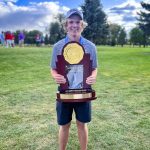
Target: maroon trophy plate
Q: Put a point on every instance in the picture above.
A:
(75, 65)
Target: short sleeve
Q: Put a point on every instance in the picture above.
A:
(94, 57)
(53, 58)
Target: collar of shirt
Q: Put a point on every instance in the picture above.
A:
(80, 40)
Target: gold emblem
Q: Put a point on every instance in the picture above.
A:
(73, 53)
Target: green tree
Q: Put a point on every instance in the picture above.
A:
(97, 29)
(54, 32)
(144, 22)
(114, 30)
(56, 29)
(61, 19)
(136, 36)
(30, 36)
(122, 37)
(16, 33)
(46, 39)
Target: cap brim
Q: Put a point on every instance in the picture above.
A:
(75, 13)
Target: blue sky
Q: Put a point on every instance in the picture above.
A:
(70, 3)
(37, 14)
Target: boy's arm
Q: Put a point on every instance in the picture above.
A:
(92, 78)
(59, 79)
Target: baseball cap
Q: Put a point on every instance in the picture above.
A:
(74, 12)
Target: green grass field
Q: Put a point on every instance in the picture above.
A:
(120, 115)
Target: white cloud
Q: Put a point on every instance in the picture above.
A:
(124, 14)
(34, 16)
(146, 1)
(128, 3)
(64, 8)
(39, 15)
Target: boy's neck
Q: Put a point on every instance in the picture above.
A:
(74, 38)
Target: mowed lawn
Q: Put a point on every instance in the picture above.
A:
(120, 115)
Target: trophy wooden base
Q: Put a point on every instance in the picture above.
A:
(76, 96)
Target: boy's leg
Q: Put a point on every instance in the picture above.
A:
(83, 116)
(63, 136)
(64, 117)
(82, 134)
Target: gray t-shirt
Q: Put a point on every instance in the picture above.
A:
(89, 47)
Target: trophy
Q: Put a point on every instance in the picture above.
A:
(75, 65)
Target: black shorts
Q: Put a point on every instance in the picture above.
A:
(65, 109)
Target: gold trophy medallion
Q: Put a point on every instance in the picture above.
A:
(73, 53)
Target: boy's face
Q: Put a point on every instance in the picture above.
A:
(74, 26)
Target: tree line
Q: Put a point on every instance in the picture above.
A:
(99, 30)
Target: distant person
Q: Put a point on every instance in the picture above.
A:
(2, 38)
(8, 38)
(21, 38)
(13, 40)
(42, 40)
(38, 40)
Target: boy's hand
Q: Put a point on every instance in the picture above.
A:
(59, 79)
(91, 80)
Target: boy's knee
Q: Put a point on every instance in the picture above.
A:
(65, 127)
(81, 125)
